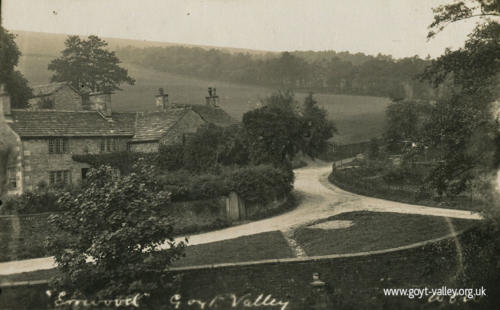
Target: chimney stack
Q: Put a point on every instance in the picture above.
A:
(212, 99)
(101, 102)
(5, 104)
(161, 101)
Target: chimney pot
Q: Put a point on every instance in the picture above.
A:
(161, 100)
(101, 102)
(212, 99)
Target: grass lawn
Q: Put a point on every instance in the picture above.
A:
(374, 231)
(268, 245)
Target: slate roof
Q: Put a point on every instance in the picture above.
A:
(140, 126)
(150, 126)
(212, 115)
(71, 124)
(48, 89)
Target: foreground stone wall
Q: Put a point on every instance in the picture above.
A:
(22, 237)
(355, 282)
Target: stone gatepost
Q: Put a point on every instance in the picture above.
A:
(319, 299)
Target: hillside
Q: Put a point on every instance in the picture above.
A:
(50, 44)
(358, 118)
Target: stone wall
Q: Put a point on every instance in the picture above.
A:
(350, 282)
(65, 99)
(144, 147)
(37, 162)
(188, 124)
(199, 215)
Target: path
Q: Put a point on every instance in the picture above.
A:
(319, 200)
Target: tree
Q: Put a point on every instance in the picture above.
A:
(7, 153)
(120, 224)
(234, 150)
(202, 150)
(15, 83)
(405, 122)
(462, 127)
(275, 132)
(460, 10)
(87, 63)
(319, 129)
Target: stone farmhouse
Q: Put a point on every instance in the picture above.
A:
(58, 96)
(63, 125)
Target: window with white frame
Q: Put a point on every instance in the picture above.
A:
(58, 146)
(109, 145)
(60, 177)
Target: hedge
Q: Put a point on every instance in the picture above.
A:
(31, 202)
(255, 184)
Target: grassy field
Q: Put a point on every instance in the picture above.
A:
(269, 245)
(358, 118)
(375, 231)
(371, 181)
(370, 231)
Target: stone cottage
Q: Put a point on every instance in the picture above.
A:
(58, 96)
(173, 122)
(48, 138)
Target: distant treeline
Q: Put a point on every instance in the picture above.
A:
(327, 71)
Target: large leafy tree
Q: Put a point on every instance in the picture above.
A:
(119, 223)
(87, 63)
(460, 10)
(462, 127)
(274, 132)
(15, 83)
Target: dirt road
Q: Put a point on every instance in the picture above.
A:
(319, 200)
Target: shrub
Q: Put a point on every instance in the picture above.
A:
(43, 200)
(171, 157)
(208, 186)
(120, 223)
(261, 183)
(253, 183)
(123, 160)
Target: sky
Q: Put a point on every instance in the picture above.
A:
(395, 27)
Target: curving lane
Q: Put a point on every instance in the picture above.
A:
(318, 200)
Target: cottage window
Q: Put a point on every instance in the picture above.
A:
(58, 146)
(60, 177)
(12, 178)
(47, 103)
(109, 145)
